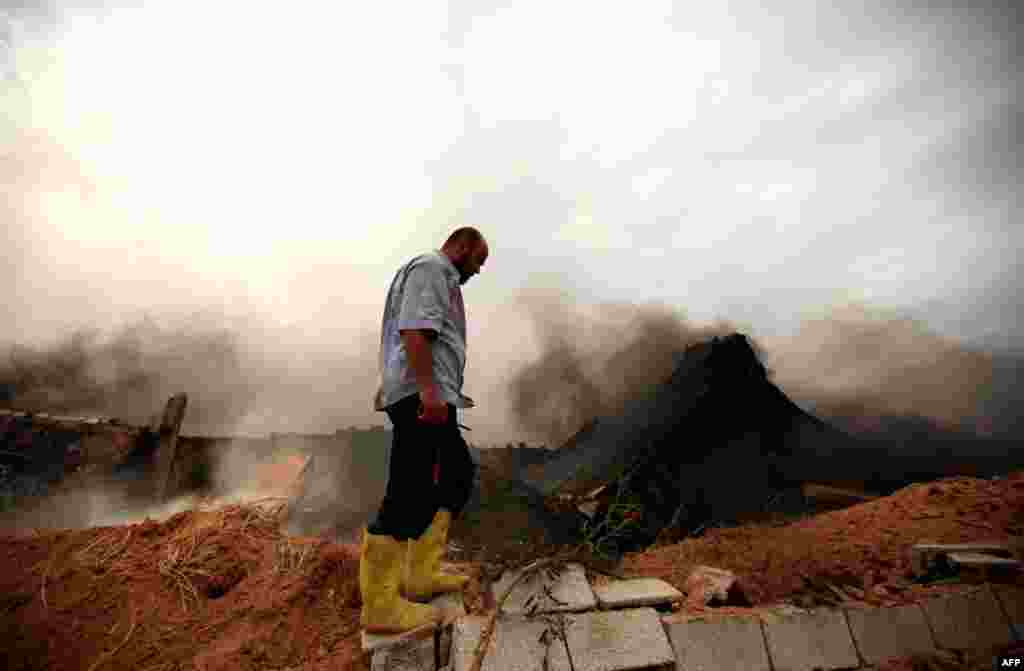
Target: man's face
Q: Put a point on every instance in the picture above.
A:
(470, 260)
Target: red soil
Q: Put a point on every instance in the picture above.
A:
(224, 589)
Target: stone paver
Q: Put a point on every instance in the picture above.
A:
(967, 621)
(1012, 599)
(722, 645)
(617, 640)
(451, 607)
(415, 655)
(890, 632)
(818, 640)
(376, 642)
(571, 588)
(514, 646)
(635, 593)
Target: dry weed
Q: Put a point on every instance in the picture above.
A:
(290, 555)
(185, 555)
(107, 547)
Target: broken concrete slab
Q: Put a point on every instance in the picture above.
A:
(617, 640)
(723, 645)
(968, 621)
(414, 655)
(979, 559)
(922, 554)
(514, 646)
(1011, 598)
(880, 633)
(635, 593)
(571, 592)
(818, 640)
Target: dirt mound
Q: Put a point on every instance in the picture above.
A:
(215, 589)
(212, 589)
(867, 545)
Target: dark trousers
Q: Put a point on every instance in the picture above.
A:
(412, 497)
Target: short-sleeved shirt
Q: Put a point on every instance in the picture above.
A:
(425, 294)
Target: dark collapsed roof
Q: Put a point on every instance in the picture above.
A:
(718, 391)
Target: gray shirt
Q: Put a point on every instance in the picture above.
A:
(425, 294)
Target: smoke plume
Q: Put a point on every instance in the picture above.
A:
(592, 359)
(238, 381)
(862, 361)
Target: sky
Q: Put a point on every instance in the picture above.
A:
(262, 171)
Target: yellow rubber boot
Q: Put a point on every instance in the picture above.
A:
(384, 611)
(422, 579)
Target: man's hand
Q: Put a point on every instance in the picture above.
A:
(433, 409)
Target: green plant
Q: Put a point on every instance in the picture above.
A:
(601, 538)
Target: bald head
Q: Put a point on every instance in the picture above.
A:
(467, 250)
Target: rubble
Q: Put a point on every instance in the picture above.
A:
(716, 444)
(708, 585)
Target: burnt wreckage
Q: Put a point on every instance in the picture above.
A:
(716, 440)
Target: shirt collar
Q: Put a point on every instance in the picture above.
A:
(449, 266)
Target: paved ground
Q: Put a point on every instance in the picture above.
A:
(613, 633)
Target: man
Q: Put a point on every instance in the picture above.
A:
(430, 471)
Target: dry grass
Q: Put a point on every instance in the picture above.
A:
(185, 555)
(107, 547)
(290, 555)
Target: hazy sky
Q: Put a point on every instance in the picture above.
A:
(750, 161)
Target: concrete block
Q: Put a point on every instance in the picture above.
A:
(722, 645)
(374, 642)
(571, 588)
(890, 632)
(636, 593)
(1011, 598)
(817, 640)
(971, 620)
(922, 554)
(413, 655)
(451, 607)
(617, 640)
(514, 646)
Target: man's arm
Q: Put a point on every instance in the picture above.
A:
(424, 305)
(418, 344)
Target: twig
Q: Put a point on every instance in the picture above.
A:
(528, 570)
(107, 655)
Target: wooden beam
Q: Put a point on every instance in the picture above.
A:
(170, 425)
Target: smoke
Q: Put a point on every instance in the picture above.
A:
(852, 361)
(592, 359)
(859, 360)
(251, 380)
